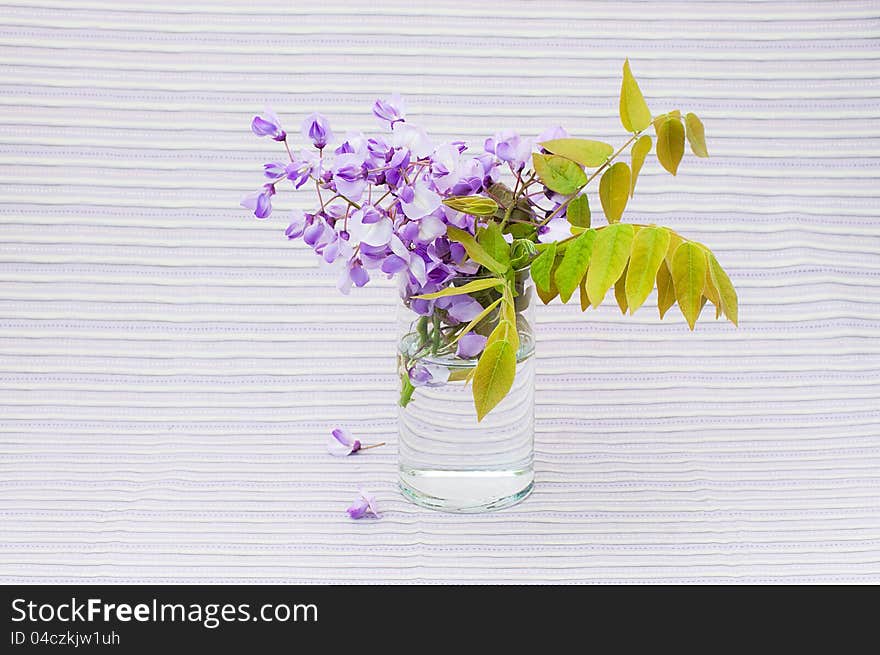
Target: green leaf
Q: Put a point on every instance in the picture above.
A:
(614, 190)
(474, 250)
(492, 240)
(473, 205)
(521, 252)
(688, 277)
(574, 264)
(665, 289)
(639, 151)
(696, 135)
(584, 296)
(542, 267)
(558, 173)
(500, 333)
(658, 120)
(584, 151)
(648, 250)
(508, 312)
(406, 389)
(711, 292)
(546, 295)
(634, 113)
(470, 287)
(578, 212)
(729, 301)
(674, 242)
(493, 376)
(620, 291)
(459, 375)
(610, 254)
(670, 144)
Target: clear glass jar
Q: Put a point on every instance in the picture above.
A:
(447, 459)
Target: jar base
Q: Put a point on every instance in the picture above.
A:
(466, 491)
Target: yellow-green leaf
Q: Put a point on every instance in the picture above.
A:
(634, 113)
(578, 212)
(473, 205)
(574, 264)
(492, 240)
(474, 250)
(696, 135)
(711, 292)
(610, 254)
(614, 188)
(542, 266)
(658, 120)
(493, 376)
(620, 291)
(648, 250)
(665, 289)
(461, 374)
(670, 144)
(639, 151)
(584, 297)
(584, 151)
(508, 312)
(470, 287)
(546, 295)
(558, 173)
(729, 301)
(500, 333)
(674, 242)
(689, 267)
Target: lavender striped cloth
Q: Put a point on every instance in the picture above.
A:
(170, 368)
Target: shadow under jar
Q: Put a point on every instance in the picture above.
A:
(447, 459)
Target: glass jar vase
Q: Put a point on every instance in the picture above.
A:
(448, 460)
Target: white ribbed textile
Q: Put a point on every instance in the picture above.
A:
(170, 367)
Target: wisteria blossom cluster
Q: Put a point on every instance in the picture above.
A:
(380, 199)
(458, 223)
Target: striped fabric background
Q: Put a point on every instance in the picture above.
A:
(170, 367)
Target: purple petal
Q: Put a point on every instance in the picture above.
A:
(364, 505)
(358, 275)
(471, 345)
(394, 264)
(465, 309)
(297, 225)
(358, 509)
(268, 125)
(342, 436)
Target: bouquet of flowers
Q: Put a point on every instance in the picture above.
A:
(459, 226)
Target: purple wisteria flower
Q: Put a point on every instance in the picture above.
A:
(511, 148)
(364, 506)
(390, 111)
(316, 128)
(260, 201)
(341, 444)
(428, 375)
(268, 125)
